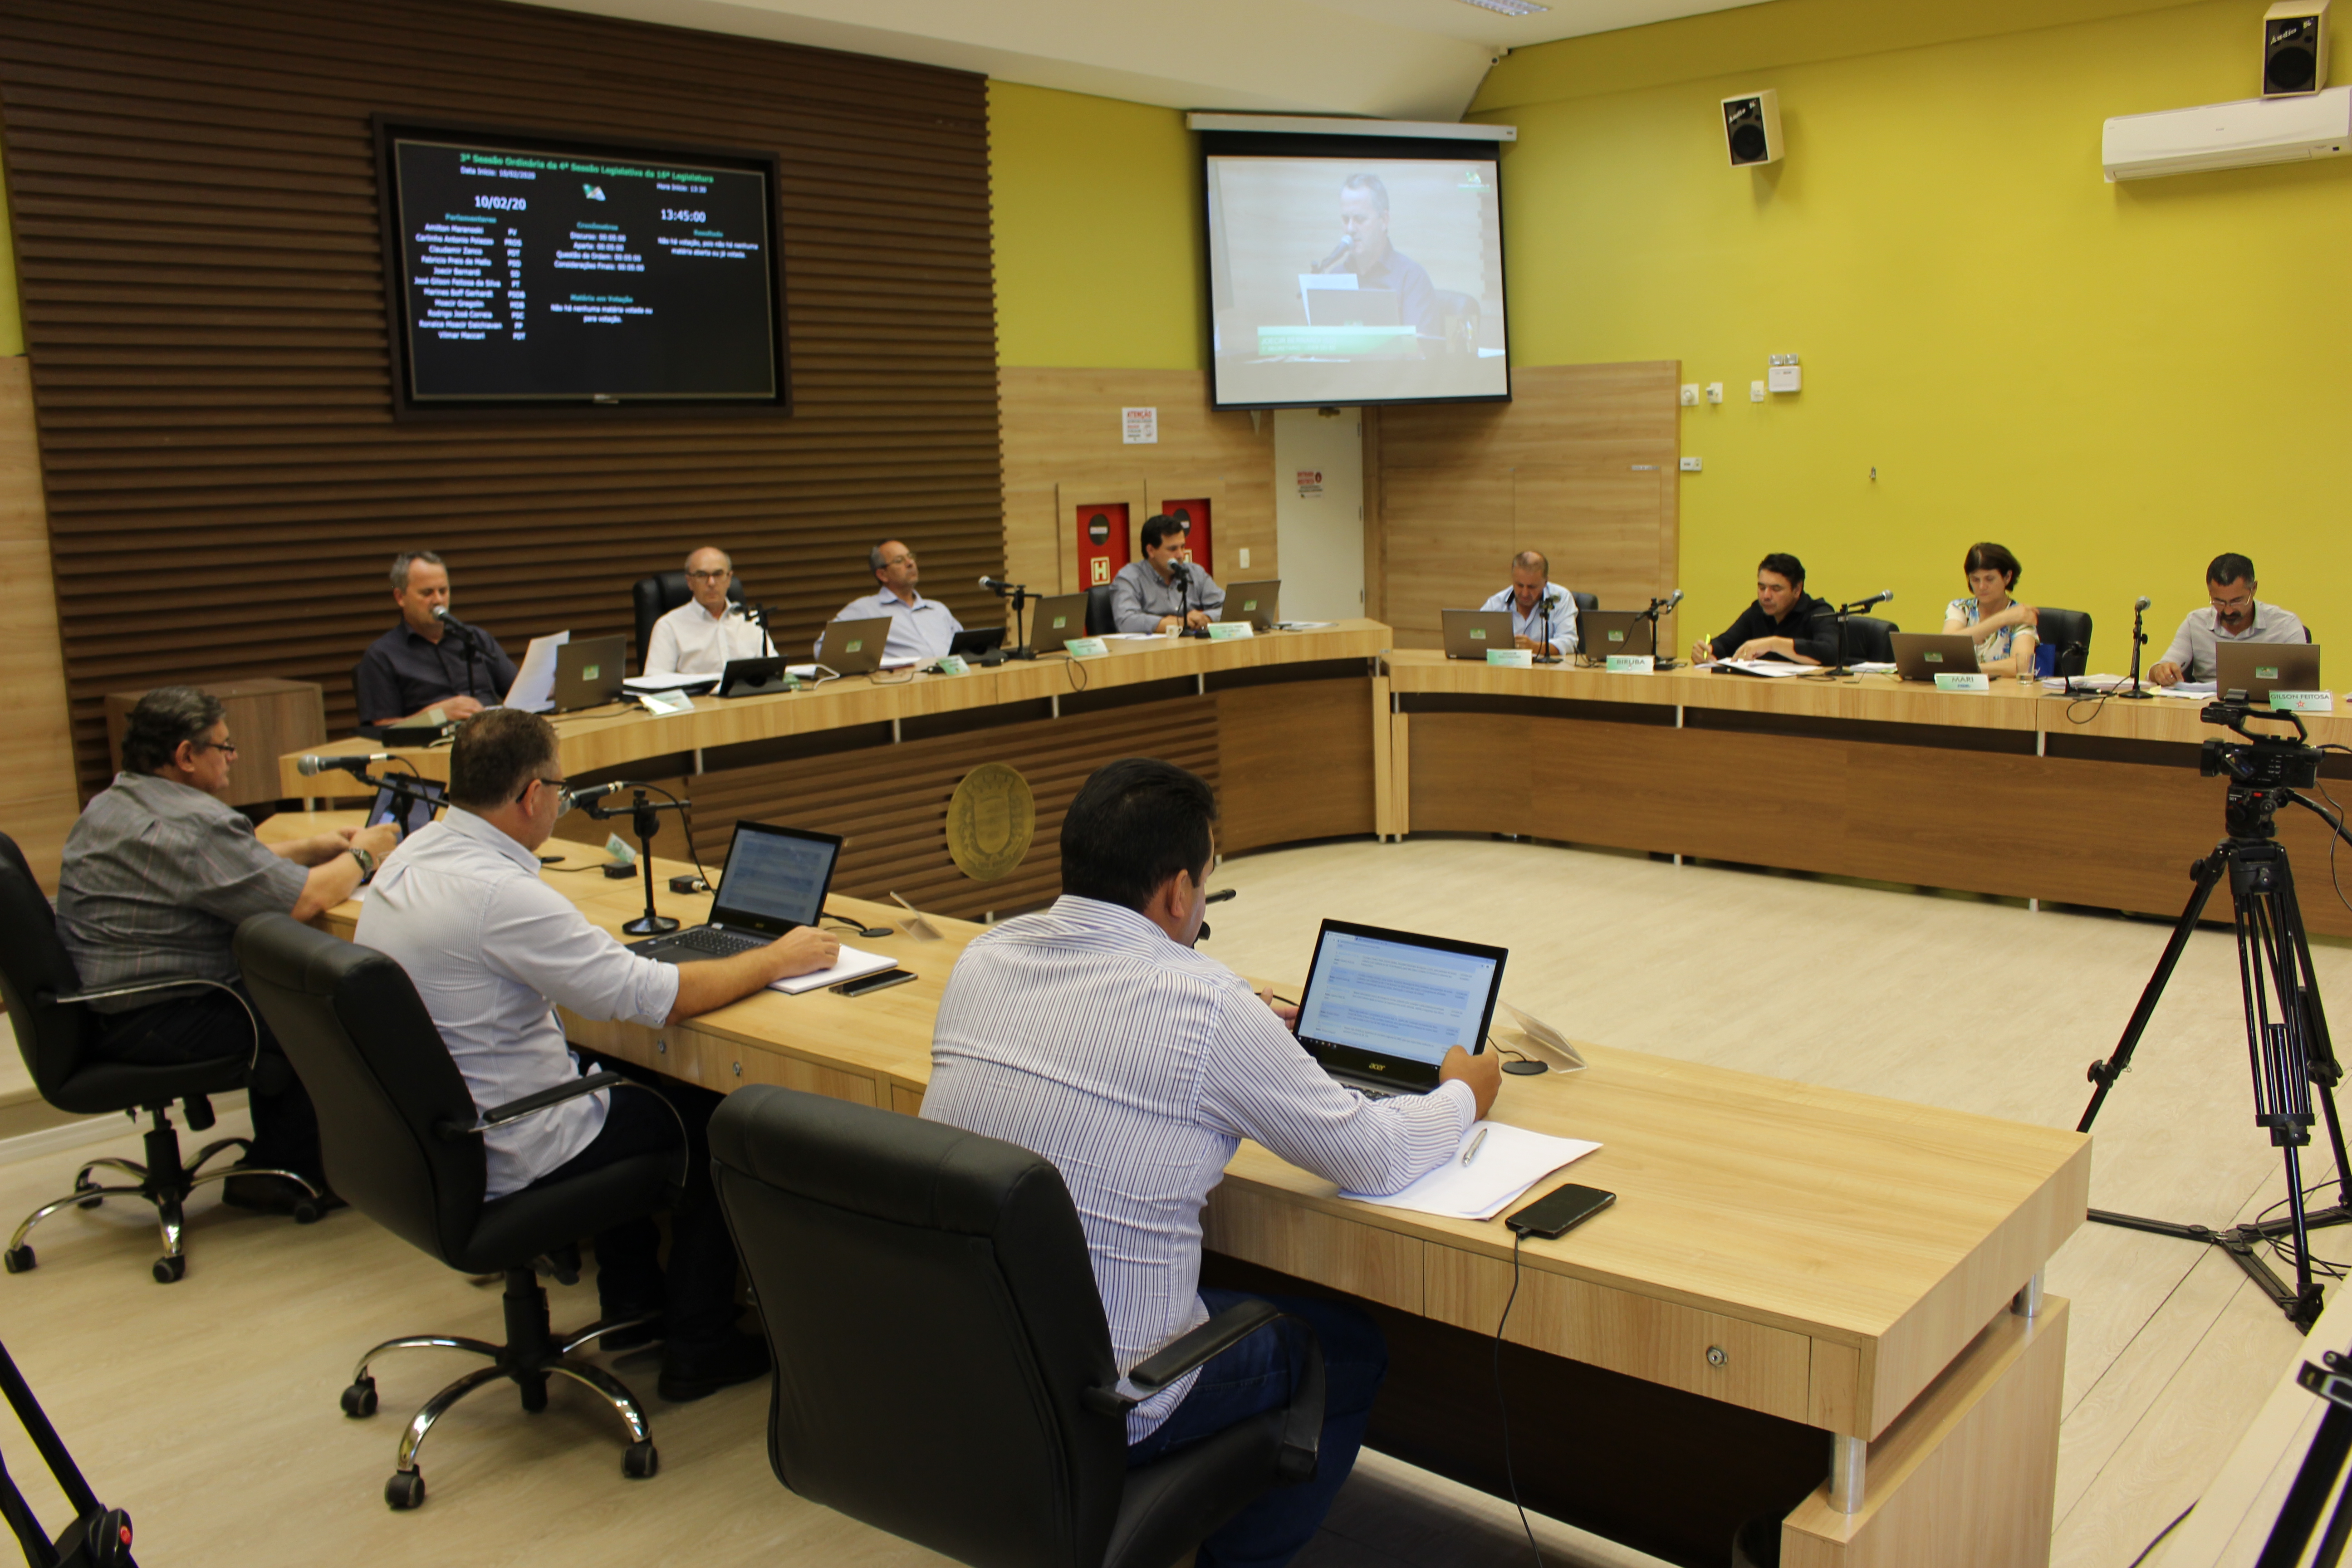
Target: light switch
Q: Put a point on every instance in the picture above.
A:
(1245, 555)
(1755, 391)
(1715, 392)
(1690, 465)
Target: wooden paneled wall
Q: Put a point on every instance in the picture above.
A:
(1062, 433)
(37, 800)
(1580, 465)
(196, 215)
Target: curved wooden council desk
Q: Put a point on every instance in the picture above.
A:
(1291, 727)
(2015, 791)
(1796, 1282)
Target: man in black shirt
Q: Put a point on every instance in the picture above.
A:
(1785, 621)
(428, 660)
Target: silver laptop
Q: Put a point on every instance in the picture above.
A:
(1470, 632)
(1259, 604)
(1058, 619)
(2259, 669)
(1599, 633)
(1922, 656)
(775, 880)
(854, 647)
(589, 672)
(1382, 1007)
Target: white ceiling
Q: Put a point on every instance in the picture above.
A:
(1395, 60)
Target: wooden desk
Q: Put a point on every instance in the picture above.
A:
(2015, 791)
(1793, 1275)
(1292, 727)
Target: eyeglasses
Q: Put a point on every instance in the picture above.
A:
(718, 576)
(554, 784)
(227, 748)
(2228, 606)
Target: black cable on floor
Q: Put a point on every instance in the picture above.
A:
(1502, 1405)
(2160, 1534)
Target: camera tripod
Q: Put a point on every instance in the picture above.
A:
(2288, 1051)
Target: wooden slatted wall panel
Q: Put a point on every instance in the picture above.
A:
(891, 800)
(195, 210)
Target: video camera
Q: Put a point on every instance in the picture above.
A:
(2266, 761)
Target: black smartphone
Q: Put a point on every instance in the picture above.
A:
(1559, 1212)
(882, 982)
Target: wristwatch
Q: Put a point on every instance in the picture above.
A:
(366, 860)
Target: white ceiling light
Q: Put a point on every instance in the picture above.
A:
(1509, 7)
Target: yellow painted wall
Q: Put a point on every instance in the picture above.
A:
(1099, 232)
(11, 316)
(2116, 381)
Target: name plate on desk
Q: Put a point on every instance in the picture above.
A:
(953, 664)
(1226, 631)
(1511, 657)
(1633, 664)
(2303, 701)
(1087, 647)
(1963, 683)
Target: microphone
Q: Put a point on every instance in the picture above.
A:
(1882, 596)
(574, 798)
(2141, 605)
(1337, 251)
(312, 767)
(995, 586)
(1677, 599)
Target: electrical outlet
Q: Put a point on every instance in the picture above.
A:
(1690, 394)
(1690, 465)
(1715, 392)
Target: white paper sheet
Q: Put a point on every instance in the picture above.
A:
(854, 962)
(1511, 1161)
(669, 682)
(534, 683)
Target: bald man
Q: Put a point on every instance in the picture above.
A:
(701, 635)
(920, 628)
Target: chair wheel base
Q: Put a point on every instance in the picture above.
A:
(168, 1270)
(17, 1260)
(307, 1211)
(640, 1460)
(82, 1183)
(359, 1399)
(406, 1489)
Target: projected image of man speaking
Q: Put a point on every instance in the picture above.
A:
(1377, 264)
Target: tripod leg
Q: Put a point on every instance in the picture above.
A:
(2326, 1071)
(2322, 1463)
(2205, 873)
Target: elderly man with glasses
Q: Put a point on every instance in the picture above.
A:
(157, 873)
(920, 629)
(2234, 614)
(701, 635)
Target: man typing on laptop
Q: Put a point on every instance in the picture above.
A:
(1093, 1034)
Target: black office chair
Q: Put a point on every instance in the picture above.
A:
(402, 1141)
(1584, 601)
(1867, 639)
(943, 1369)
(1100, 622)
(55, 1029)
(2068, 631)
(655, 596)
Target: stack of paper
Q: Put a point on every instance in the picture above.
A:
(1509, 1162)
(852, 963)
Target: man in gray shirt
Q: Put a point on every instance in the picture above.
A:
(2233, 615)
(1144, 596)
(157, 873)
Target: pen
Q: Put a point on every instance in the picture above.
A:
(1472, 1152)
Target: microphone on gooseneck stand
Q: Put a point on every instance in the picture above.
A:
(2133, 693)
(1180, 577)
(473, 644)
(1337, 251)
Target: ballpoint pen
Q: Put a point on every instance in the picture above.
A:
(1472, 1152)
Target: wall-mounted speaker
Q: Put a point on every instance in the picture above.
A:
(1751, 128)
(2295, 48)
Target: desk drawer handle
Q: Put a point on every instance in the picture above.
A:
(738, 1070)
(661, 1047)
(1717, 1355)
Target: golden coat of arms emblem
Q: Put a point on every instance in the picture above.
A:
(990, 819)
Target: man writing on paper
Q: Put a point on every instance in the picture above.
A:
(431, 660)
(701, 635)
(1094, 1034)
(2233, 615)
(1525, 598)
(920, 628)
(1144, 597)
(493, 952)
(1783, 623)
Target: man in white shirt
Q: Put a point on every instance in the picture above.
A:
(2233, 615)
(1093, 1034)
(1526, 599)
(920, 628)
(493, 951)
(701, 635)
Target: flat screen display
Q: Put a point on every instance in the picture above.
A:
(529, 272)
(1354, 279)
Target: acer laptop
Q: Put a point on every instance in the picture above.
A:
(589, 672)
(775, 880)
(1259, 604)
(1922, 656)
(1599, 633)
(1059, 618)
(1382, 1007)
(1470, 632)
(854, 647)
(2259, 669)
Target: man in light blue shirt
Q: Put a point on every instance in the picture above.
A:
(1525, 598)
(920, 628)
(1144, 597)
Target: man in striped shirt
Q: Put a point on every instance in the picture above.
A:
(1093, 1034)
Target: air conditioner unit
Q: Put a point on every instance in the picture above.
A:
(2228, 135)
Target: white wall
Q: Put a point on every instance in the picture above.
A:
(1320, 535)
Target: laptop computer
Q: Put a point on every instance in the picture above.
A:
(1599, 633)
(775, 880)
(1382, 1007)
(405, 811)
(1059, 618)
(1922, 656)
(2259, 669)
(589, 672)
(1259, 604)
(1470, 632)
(854, 647)
(1352, 308)
(976, 642)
